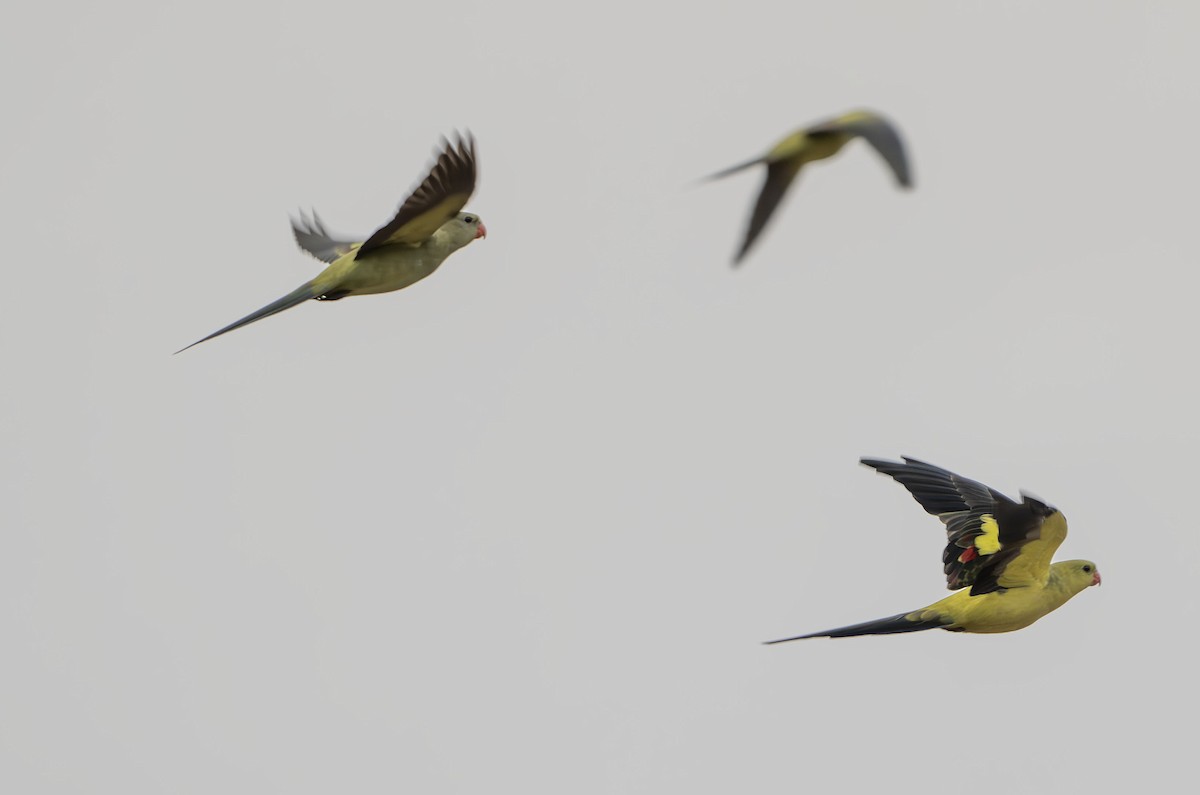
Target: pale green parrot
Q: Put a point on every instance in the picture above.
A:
(817, 142)
(427, 228)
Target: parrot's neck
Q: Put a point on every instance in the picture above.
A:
(1060, 588)
(450, 237)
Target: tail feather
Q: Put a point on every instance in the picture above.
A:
(880, 626)
(301, 294)
(725, 172)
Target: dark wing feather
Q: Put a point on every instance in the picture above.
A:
(311, 236)
(435, 201)
(779, 178)
(883, 136)
(985, 530)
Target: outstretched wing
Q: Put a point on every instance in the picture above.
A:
(881, 134)
(436, 200)
(311, 236)
(780, 175)
(992, 542)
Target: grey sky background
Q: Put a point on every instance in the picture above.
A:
(522, 526)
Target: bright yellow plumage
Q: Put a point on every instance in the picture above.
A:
(1000, 550)
(1032, 566)
(1014, 608)
(988, 543)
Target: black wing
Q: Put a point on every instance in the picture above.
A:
(985, 530)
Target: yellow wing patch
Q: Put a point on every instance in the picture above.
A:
(988, 542)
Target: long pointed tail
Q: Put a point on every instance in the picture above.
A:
(725, 172)
(904, 622)
(298, 296)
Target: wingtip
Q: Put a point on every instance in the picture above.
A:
(461, 148)
(462, 145)
(1038, 505)
(743, 252)
(307, 223)
(882, 465)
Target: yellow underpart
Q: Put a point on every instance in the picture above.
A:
(1005, 611)
(988, 542)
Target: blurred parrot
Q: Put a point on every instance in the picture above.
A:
(817, 142)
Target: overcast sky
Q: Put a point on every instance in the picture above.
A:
(522, 526)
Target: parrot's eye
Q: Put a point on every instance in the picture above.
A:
(469, 219)
(1087, 569)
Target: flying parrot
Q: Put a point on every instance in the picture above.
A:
(822, 140)
(428, 228)
(998, 553)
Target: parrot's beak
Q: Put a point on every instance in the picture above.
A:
(481, 231)
(1096, 578)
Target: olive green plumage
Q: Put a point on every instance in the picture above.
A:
(427, 229)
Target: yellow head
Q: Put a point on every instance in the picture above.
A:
(1077, 574)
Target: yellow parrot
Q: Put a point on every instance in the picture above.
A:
(427, 228)
(998, 553)
(817, 142)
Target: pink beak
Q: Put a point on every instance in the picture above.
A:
(481, 231)
(1096, 578)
